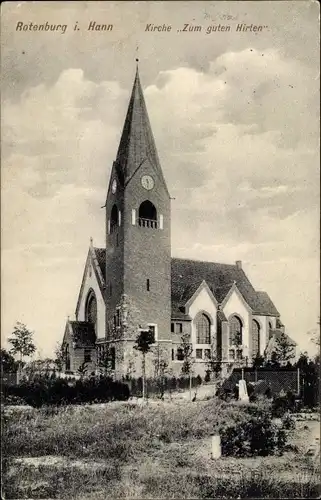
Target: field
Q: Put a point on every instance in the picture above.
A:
(158, 450)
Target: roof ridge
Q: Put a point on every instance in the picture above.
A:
(205, 262)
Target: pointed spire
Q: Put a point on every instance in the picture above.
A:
(137, 142)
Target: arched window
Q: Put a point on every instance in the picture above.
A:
(147, 215)
(91, 309)
(270, 330)
(255, 338)
(235, 325)
(113, 219)
(203, 330)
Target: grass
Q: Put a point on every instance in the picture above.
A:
(121, 431)
(126, 451)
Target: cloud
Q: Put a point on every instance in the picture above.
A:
(69, 131)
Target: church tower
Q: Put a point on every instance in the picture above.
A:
(138, 252)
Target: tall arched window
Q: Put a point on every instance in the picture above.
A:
(255, 338)
(203, 329)
(236, 326)
(270, 330)
(147, 215)
(113, 219)
(91, 309)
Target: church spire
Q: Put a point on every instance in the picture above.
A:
(137, 143)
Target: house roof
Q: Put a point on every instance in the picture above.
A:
(83, 333)
(187, 275)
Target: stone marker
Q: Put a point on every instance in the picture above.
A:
(216, 447)
(243, 395)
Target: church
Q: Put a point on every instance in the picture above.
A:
(134, 284)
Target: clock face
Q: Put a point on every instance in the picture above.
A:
(114, 186)
(147, 182)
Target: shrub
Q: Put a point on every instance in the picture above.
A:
(288, 422)
(255, 436)
(283, 404)
(46, 391)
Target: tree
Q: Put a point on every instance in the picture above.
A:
(213, 365)
(21, 341)
(188, 360)
(258, 361)
(310, 380)
(42, 367)
(143, 344)
(282, 351)
(105, 362)
(8, 363)
(60, 356)
(315, 336)
(161, 365)
(82, 369)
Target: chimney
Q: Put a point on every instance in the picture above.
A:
(238, 264)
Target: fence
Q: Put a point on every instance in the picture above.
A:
(158, 386)
(277, 380)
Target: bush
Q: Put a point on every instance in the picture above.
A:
(255, 436)
(12, 400)
(288, 422)
(46, 391)
(283, 404)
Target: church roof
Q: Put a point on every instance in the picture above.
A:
(187, 275)
(277, 335)
(83, 333)
(137, 142)
(101, 259)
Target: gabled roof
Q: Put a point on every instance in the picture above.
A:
(83, 333)
(264, 303)
(187, 276)
(137, 142)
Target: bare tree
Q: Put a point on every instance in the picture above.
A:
(188, 360)
(105, 362)
(60, 356)
(161, 367)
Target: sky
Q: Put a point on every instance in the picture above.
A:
(235, 116)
